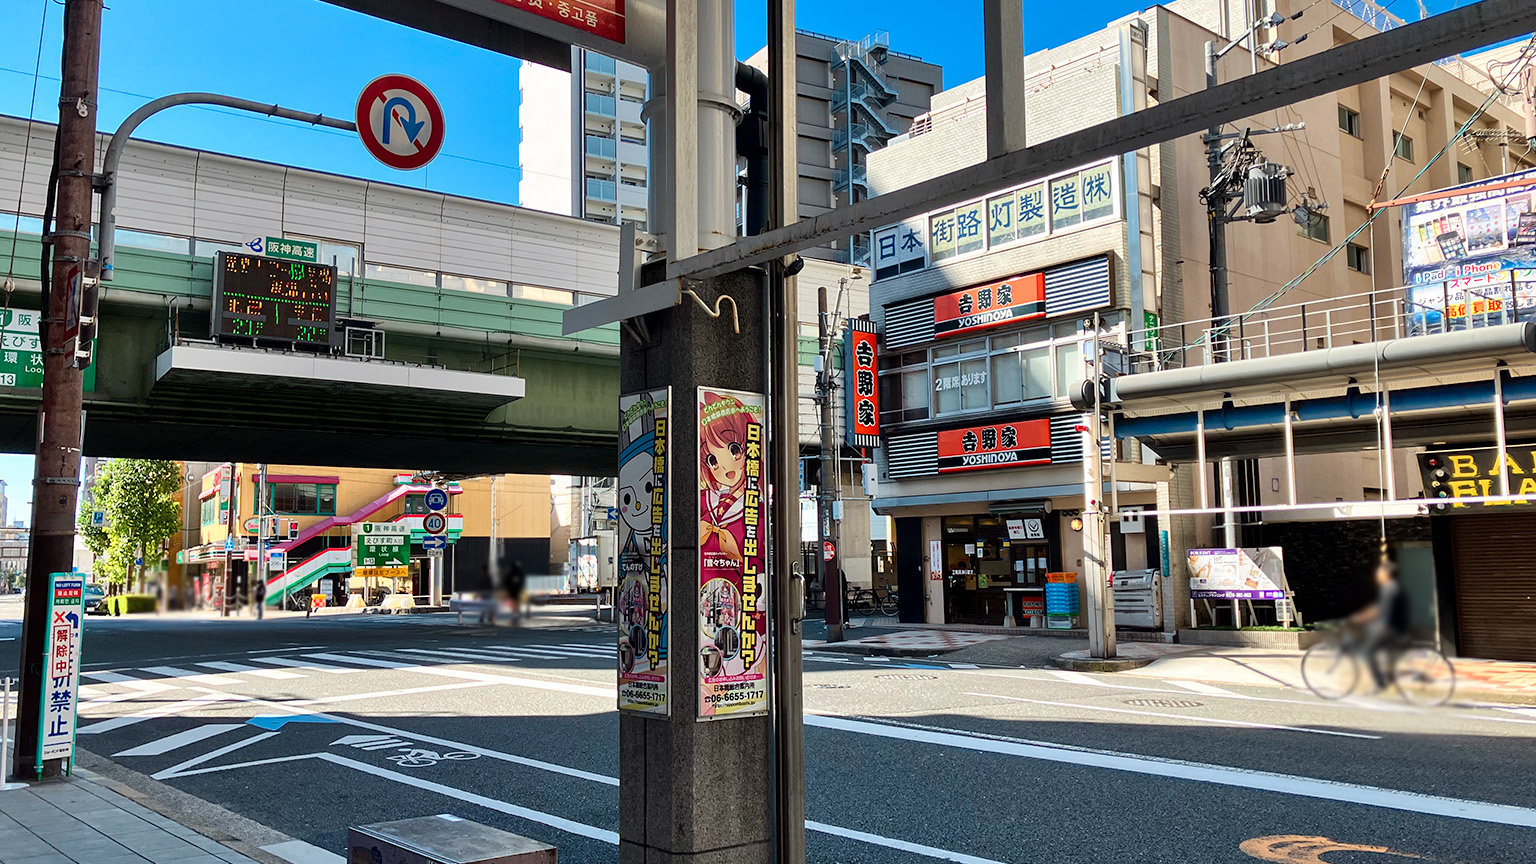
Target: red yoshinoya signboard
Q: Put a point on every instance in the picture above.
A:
(1005, 445)
(863, 384)
(977, 308)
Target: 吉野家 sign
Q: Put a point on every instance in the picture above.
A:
(1237, 574)
(645, 565)
(602, 18)
(61, 667)
(268, 300)
(863, 384)
(1017, 299)
(380, 544)
(733, 619)
(1025, 442)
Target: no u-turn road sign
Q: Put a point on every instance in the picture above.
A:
(400, 122)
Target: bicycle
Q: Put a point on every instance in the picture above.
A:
(1420, 672)
(888, 603)
(859, 601)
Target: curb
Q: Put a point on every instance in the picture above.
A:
(1121, 664)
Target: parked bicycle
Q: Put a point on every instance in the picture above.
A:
(888, 601)
(859, 601)
(1335, 666)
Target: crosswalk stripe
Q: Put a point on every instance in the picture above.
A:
(157, 711)
(364, 661)
(1078, 678)
(275, 674)
(588, 646)
(1200, 687)
(296, 663)
(179, 740)
(131, 683)
(189, 675)
(541, 653)
(460, 653)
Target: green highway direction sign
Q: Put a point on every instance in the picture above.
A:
(380, 544)
(297, 250)
(21, 351)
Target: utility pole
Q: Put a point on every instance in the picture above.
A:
(830, 567)
(1097, 567)
(56, 471)
(261, 533)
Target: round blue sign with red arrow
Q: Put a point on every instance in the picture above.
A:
(400, 122)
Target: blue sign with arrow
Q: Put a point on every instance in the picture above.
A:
(434, 541)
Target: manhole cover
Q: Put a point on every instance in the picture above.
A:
(910, 677)
(1165, 703)
(828, 686)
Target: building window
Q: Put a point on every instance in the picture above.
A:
(416, 505)
(960, 382)
(303, 499)
(211, 510)
(1402, 145)
(1315, 227)
(1358, 257)
(1463, 173)
(1349, 121)
(1004, 371)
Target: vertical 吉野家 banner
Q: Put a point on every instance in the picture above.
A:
(644, 551)
(733, 501)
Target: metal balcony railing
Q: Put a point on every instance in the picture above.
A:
(602, 190)
(862, 135)
(604, 148)
(860, 177)
(1331, 322)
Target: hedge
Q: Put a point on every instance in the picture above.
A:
(129, 604)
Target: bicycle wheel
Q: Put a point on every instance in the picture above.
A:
(1424, 676)
(888, 604)
(1329, 672)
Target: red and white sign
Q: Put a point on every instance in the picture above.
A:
(828, 551)
(400, 122)
(1006, 445)
(994, 304)
(602, 18)
(434, 523)
(863, 384)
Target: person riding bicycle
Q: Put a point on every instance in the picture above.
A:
(1384, 624)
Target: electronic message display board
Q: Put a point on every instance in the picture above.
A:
(273, 300)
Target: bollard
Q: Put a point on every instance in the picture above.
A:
(5, 741)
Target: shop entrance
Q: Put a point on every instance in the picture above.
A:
(1495, 562)
(991, 572)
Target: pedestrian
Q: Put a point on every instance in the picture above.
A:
(261, 598)
(515, 584)
(1384, 624)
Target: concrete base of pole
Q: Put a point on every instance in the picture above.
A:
(693, 791)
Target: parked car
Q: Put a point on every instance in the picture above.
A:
(92, 595)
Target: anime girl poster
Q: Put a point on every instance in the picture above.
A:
(733, 620)
(644, 565)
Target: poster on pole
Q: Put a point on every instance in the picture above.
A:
(733, 619)
(1237, 574)
(644, 560)
(61, 665)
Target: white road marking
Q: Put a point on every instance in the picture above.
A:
(159, 711)
(283, 650)
(963, 666)
(1218, 721)
(1201, 687)
(488, 677)
(1080, 678)
(244, 669)
(877, 659)
(891, 843)
(299, 852)
(182, 768)
(295, 663)
(135, 683)
(189, 675)
(179, 740)
(458, 653)
(91, 692)
(588, 646)
(540, 653)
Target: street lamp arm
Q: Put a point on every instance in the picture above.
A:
(107, 180)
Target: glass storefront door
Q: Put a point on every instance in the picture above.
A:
(987, 574)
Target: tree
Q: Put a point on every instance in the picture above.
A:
(139, 499)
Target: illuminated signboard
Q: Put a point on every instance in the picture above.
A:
(863, 388)
(1005, 445)
(991, 305)
(270, 300)
(1474, 473)
(601, 18)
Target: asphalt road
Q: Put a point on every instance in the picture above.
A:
(309, 726)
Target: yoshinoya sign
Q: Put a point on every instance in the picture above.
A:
(863, 384)
(1019, 298)
(1004, 445)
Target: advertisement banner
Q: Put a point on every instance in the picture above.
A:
(1237, 574)
(733, 619)
(61, 665)
(1006, 445)
(645, 566)
(990, 305)
(1486, 229)
(863, 388)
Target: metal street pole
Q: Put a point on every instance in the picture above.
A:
(1097, 567)
(1216, 216)
(830, 569)
(56, 471)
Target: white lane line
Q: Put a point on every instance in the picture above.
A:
(299, 852)
(1218, 721)
(892, 843)
(1178, 769)
(159, 711)
(179, 740)
(963, 666)
(189, 675)
(180, 768)
(275, 674)
(296, 663)
(559, 687)
(136, 683)
(285, 650)
(877, 659)
(1080, 678)
(1202, 687)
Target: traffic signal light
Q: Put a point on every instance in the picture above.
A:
(1438, 477)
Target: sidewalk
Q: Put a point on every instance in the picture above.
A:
(80, 821)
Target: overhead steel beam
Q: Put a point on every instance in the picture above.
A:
(1416, 44)
(470, 28)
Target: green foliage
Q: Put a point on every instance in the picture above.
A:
(129, 604)
(140, 501)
